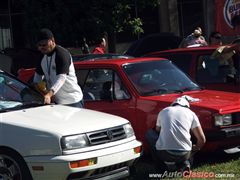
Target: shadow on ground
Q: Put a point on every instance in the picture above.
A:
(145, 166)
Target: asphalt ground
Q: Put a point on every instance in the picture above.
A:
(144, 167)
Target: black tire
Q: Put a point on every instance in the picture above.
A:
(13, 167)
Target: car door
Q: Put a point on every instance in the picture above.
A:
(105, 91)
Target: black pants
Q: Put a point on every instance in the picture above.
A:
(79, 104)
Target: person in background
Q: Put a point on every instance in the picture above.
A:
(236, 26)
(56, 67)
(215, 38)
(195, 39)
(84, 46)
(228, 55)
(171, 139)
(235, 21)
(100, 47)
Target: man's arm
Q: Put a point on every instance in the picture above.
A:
(61, 78)
(198, 133)
(158, 123)
(158, 128)
(233, 48)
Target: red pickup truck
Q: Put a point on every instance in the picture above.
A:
(137, 89)
(203, 66)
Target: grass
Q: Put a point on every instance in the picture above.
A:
(220, 165)
(229, 170)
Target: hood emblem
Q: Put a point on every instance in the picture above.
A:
(110, 134)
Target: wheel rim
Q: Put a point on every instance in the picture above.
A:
(9, 169)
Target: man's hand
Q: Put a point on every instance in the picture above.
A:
(48, 97)
(195, 147)
(201, 139)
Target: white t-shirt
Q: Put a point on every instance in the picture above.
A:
(176, 122)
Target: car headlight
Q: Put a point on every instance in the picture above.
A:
(74, 142)
(223, 120)
(128, 130)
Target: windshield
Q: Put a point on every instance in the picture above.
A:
(158, 77)
(14, 94)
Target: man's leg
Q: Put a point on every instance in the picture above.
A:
(175, 160)
(151, 136)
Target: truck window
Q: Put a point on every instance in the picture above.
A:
(102, 84)
(183, 61)
(214, 69)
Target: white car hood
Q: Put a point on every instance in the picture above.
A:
(62, 120)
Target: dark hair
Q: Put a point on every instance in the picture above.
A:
(235, 21)
(216, 35)
(99, 40)
(44, 34)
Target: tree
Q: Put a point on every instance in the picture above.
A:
(70, 20)
(114, 16)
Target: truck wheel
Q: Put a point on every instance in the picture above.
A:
(12, 167)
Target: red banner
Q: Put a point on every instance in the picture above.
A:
(225, 10)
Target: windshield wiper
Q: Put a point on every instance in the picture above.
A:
(27, 105)
(22, 106)
(156, 91)
(176, 91)
(163, 91)
(191, 89)
(4, 110)
(31, 104)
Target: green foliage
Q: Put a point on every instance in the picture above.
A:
(222, 166)
(136, 25)
(70, 20)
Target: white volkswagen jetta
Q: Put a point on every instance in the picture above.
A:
(59, 142)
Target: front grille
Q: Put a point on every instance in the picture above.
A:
(107, 135)
(110, 168)
(100, 172)
(236, 118)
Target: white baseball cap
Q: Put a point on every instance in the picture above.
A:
(181, 101)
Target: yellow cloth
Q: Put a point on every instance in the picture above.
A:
(224, 57)
(41, 86)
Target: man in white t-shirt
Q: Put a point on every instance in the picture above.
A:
(57, 68)
(172, 139)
